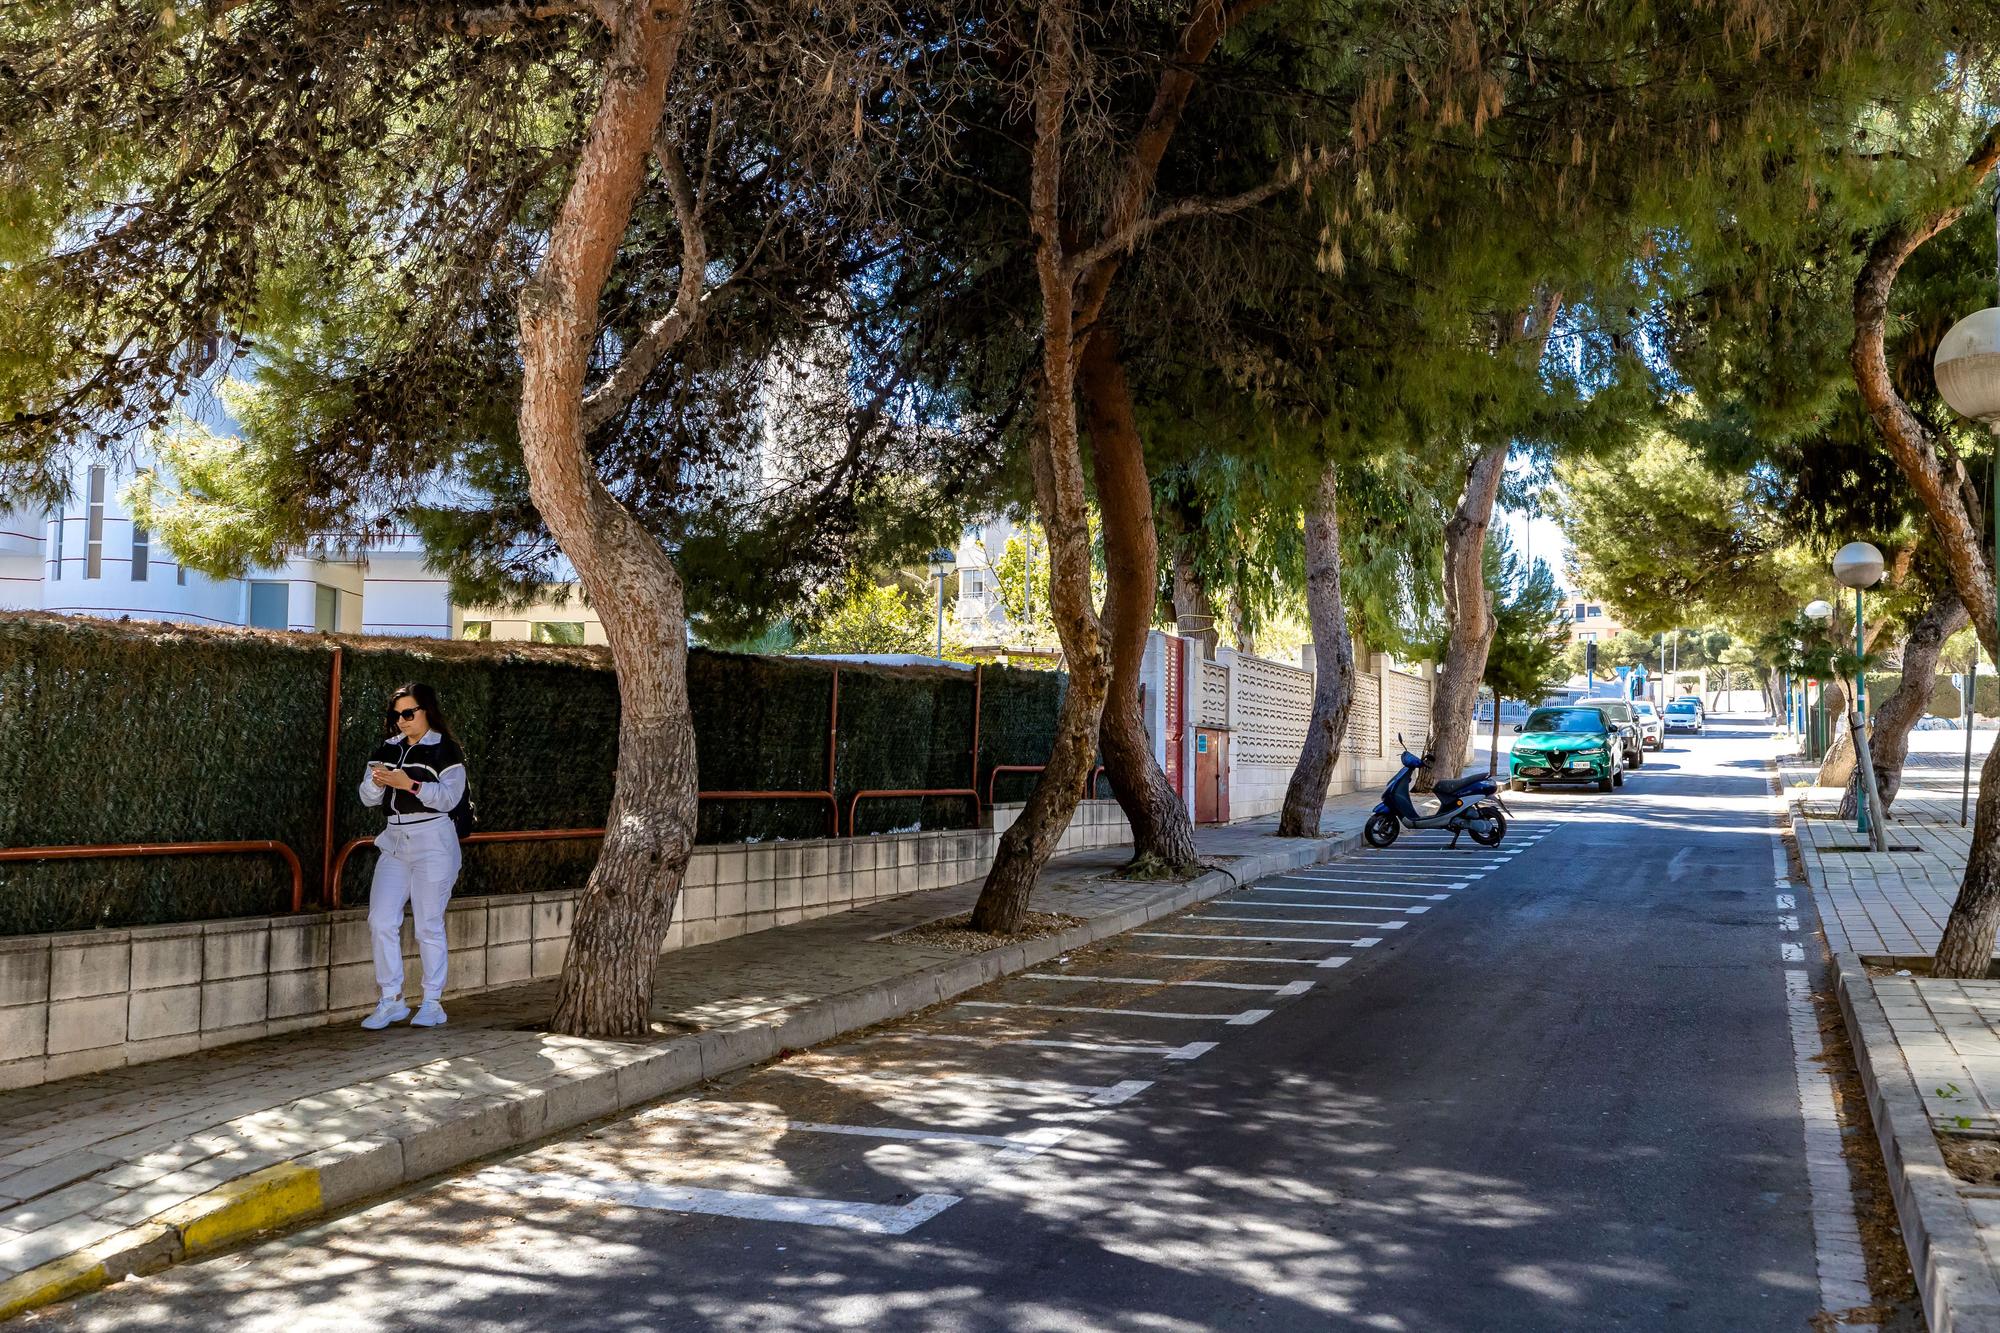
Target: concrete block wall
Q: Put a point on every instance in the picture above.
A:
(82, 1001)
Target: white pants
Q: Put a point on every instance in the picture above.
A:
(418, 865)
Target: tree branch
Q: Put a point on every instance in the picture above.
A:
(489, 19)
(1125, 239)
(643, 357)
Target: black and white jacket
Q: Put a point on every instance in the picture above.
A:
(435, 763)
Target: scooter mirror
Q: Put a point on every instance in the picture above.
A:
(1517, 726)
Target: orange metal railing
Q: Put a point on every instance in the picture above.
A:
(524, 835)
(93, 851)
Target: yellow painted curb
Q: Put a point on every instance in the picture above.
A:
(57, 1280)
(260, 1201)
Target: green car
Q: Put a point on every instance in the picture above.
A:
(1566, 744)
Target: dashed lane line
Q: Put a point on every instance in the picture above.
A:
(1349, 893)
(1338, 960)
(1293, 921)
(1372, 877)
(1311, 907)
(1192, 1050)
(1285, 988)
(1242, 1019)
(1037, 1138)
(1367, 942)
(1090, 1094)
(844, 1214)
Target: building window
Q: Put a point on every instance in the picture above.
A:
(974, 584)
(270, 605)
(1589, 637)
(142, 550)
(1596, 611)
(557, 631)
(1579, 610)
(477, 629)
(55, 545)
(326, 608)
(93, 533)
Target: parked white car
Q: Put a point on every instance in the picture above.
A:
(1684, 715)
(1652, 727)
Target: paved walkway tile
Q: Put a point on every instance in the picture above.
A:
(86, 1158)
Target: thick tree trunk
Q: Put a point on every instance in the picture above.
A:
(1059, 493)
(1468, 611)
(1967, 947)
(1837, 768)
(1333, 682)
(606, 988)
(1889, 738)
(1239, 623)
(1951, 504)
(1161, 828)
(1194, 612)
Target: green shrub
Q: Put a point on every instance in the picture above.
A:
(121, 733)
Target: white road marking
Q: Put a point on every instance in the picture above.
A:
(1155, 981)
(1414, 910)
(872, 1218)
(1677, 867)
(1312, 907)
(1193, 1050)
(1440, 877)
(1095, 1095)
(1788, 923)
(1123, 1013)
(1786, 902)
(1338, 960)
(1293, 921)
(1037, 1138)
(1791, 953)
(1843, 1273)
(1348, 893)
(1249, 1016)
(1366, 943)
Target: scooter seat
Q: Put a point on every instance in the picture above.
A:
(1453, 786)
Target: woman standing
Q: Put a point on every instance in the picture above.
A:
(418, 774)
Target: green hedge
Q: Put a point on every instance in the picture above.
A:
(118, 733)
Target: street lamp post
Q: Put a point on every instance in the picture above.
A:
(943, 562)
(1859, 565)
(1967, 366)
(1821, 610)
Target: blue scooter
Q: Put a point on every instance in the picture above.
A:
(1462, 807)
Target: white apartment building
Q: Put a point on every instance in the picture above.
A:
(88, 557)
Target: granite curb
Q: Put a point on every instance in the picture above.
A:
(1954, 1275)
(1955, 1278)
(608, 1079)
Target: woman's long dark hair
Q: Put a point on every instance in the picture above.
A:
(427, 699)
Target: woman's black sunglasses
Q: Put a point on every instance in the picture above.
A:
(407, 714)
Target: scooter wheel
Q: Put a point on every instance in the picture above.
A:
(1492, 836)
(1381, 830)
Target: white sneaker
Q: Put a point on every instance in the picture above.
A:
(430, 1016)
(391, 1010)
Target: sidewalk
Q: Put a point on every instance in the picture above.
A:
(1929, 1048)
(131, 1169)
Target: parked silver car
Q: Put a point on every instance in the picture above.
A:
(1618, 712)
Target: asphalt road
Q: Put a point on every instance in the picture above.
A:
(1545, 1087)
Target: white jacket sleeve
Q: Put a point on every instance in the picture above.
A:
(372, 792)
(445, 793)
